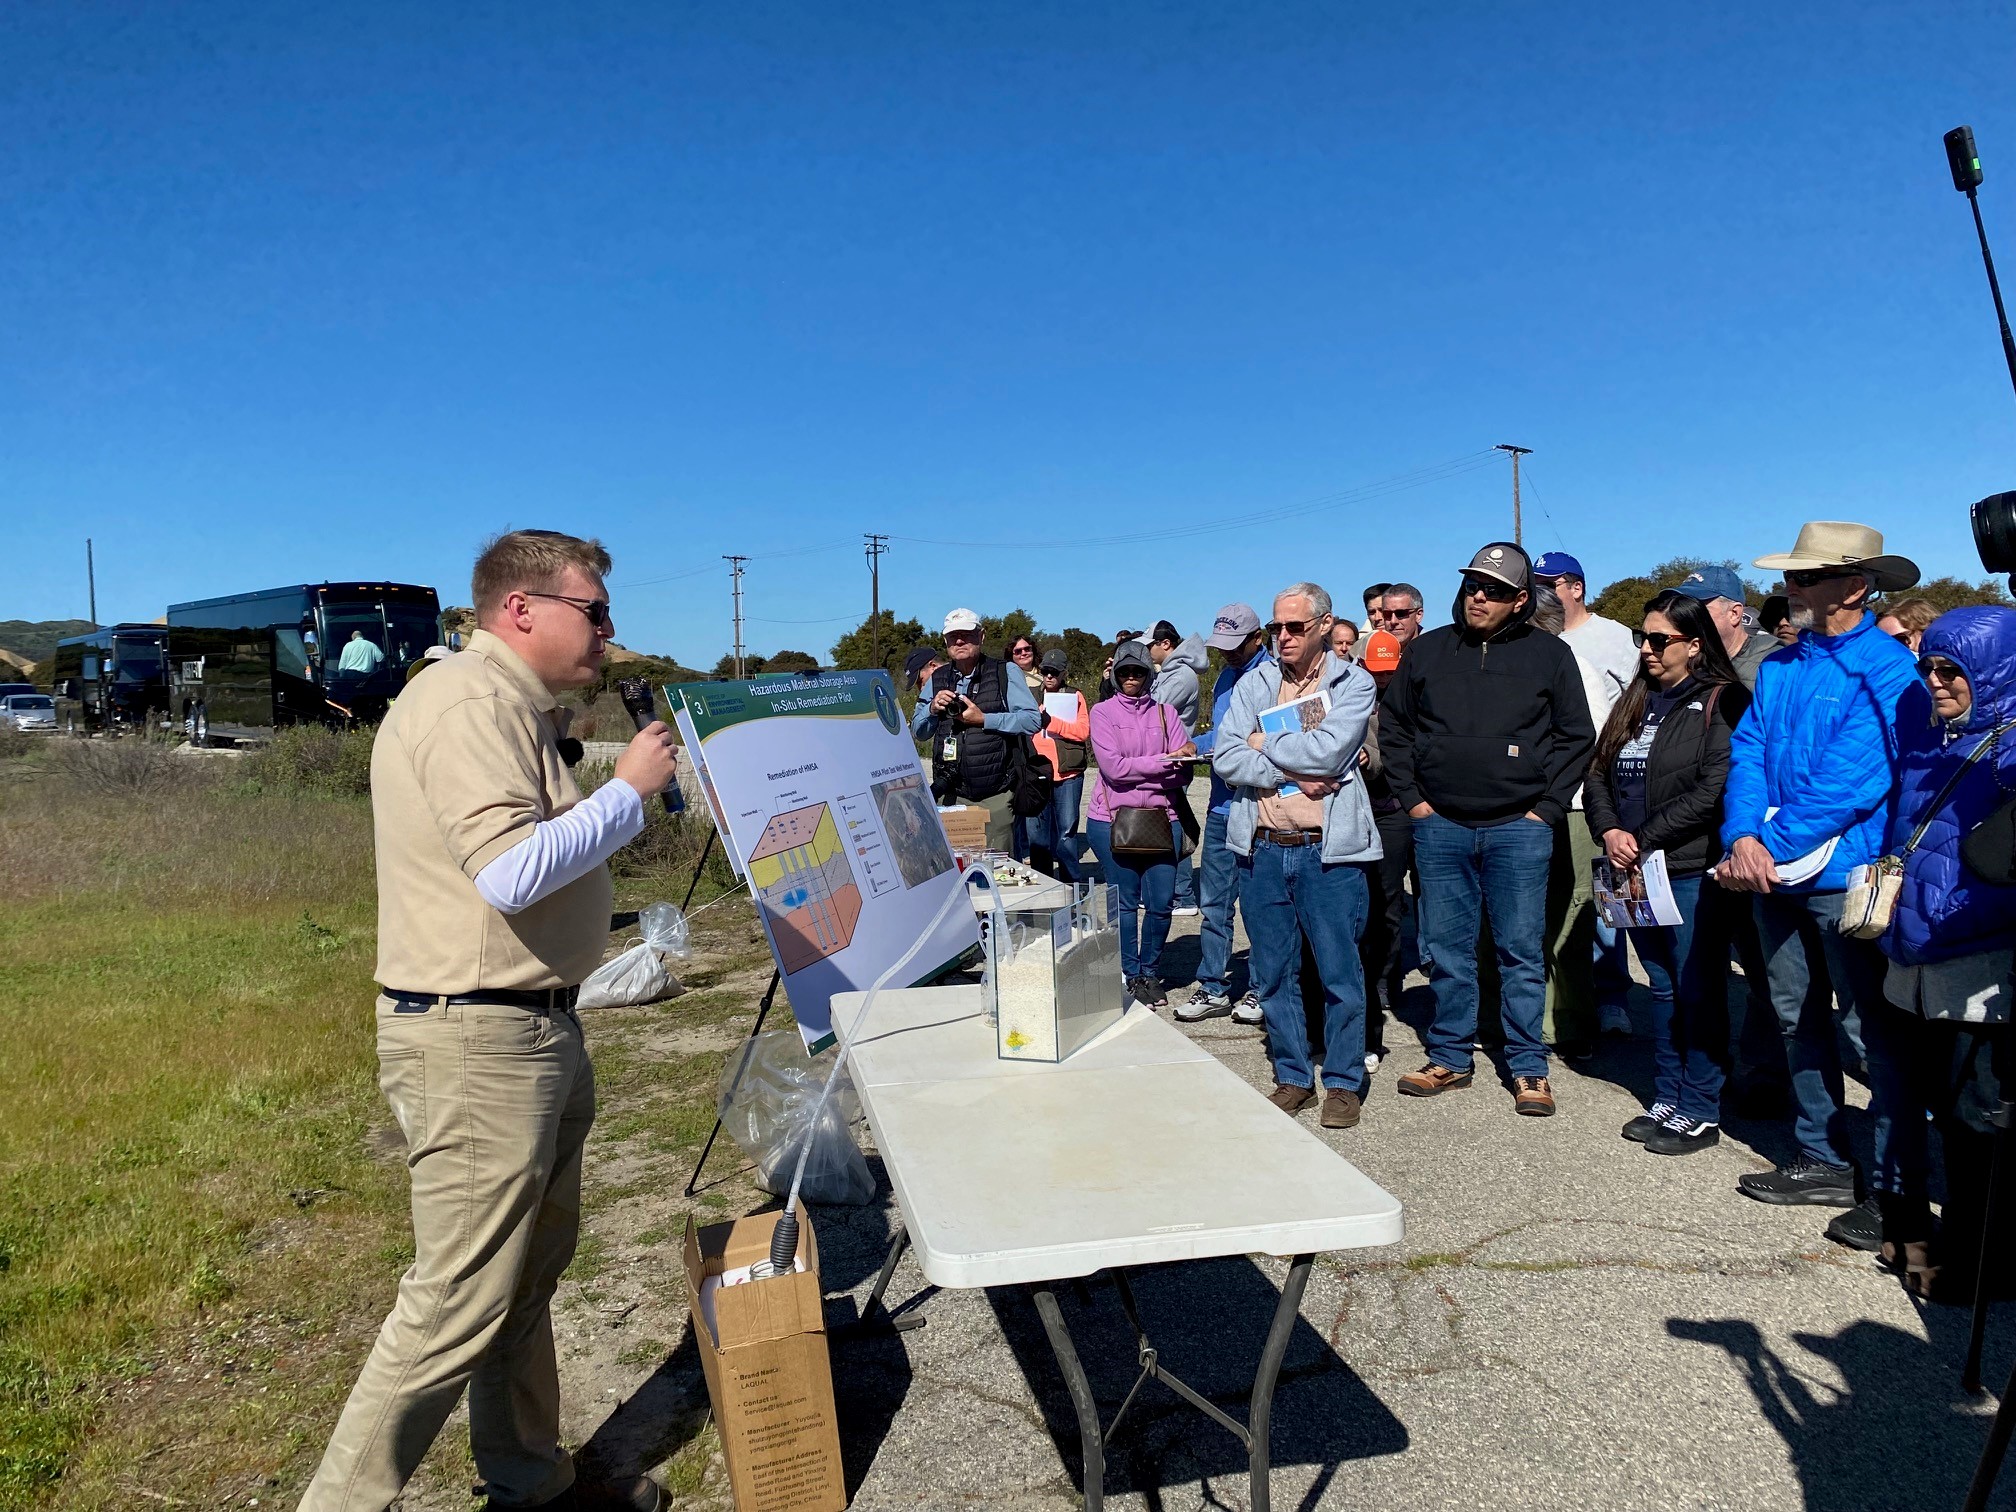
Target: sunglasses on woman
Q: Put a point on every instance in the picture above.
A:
(1022, 651)
(1939, 667)
(1658, 640)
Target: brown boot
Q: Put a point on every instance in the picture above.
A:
(1532, 1096)
(1341, 1109)
(1432, 1079)
(1291, 1100)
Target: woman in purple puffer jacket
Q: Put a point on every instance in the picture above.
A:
(1144, 754)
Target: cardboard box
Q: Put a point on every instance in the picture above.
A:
(768, 1374)
(965, 827)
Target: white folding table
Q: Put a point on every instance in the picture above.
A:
(1142, 1148)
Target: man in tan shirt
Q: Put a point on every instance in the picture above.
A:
(493, 904)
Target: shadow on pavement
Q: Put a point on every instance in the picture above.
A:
(1901, 1435)
(1208, 1319)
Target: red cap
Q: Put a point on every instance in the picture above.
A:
(1382, 653)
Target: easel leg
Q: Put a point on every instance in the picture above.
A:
(748, 1050)
(706, 848)
(1998, 1170)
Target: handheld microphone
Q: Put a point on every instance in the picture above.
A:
(636, 695)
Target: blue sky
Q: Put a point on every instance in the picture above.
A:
(297, 292)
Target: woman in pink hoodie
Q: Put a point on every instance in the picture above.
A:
(1143, 754)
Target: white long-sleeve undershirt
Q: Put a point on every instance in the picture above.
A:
(559, 850)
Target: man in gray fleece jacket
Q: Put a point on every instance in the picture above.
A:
(1180, 666)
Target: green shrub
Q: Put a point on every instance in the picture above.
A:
(312, 759)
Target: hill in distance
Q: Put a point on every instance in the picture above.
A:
(35, 640)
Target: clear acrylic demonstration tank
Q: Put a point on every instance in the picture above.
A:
(1053, 971)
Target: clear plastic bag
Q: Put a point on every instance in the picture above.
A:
(639, 975)
(768, 1113)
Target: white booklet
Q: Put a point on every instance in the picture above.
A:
(1304, 713)
(1641, 898)
(1805, 868)
(1061, 705)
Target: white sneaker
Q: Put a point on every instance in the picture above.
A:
(1182, 912)
(1372, 1059)
(1616, 1020)
(1247, 1011)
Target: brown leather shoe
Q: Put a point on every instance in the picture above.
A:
(1431, 1079)
(1532, 1096)
(1341, 1109)
(1291, 1100)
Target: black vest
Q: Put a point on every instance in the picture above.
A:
(981, 769)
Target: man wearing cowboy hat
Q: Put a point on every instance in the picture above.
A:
(1813, 773)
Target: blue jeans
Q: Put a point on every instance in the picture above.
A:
(1502, 870)
(1688, 965)
(1056, 829)
(1288, 894)
(1143, 890)
(1186, 881)
(1804, 956)
(1218, 895)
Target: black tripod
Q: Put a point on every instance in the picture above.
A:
(1989, 1466)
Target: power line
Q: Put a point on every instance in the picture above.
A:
(1440, 472)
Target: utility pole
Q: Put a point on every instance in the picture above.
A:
(1518, 533)
(735, 588)
(877, 544)
(91, 577)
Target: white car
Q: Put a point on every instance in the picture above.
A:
(28, 712)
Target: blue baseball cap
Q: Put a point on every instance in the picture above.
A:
(1711, 583)
(1558, 564)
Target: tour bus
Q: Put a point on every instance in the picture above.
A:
(115, 678)
(319, 653)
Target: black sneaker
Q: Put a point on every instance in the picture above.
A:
(1801, 1182)
(1681, 1136)
(1148, 992)
(1861, 1227)
(1646, 1124)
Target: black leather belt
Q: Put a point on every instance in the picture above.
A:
(1289, 839)
(545, 1000)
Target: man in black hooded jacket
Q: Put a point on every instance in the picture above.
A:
(1486, 734)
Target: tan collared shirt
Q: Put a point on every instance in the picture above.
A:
(466, 763)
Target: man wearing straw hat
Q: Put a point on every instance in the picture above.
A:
(1813, 777)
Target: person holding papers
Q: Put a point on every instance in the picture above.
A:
(1053, 834)
(1301, 827)
(1655, 790)
(1812, 780)
(1486, 735)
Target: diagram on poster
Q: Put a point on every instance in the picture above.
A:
(815, 785)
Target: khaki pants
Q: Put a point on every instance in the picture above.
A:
(1571, 933)
(1000, 820)
(495, 1103)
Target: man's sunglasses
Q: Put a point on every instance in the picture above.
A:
(1806, 577)
(1403, 613)
(1658, 640)
(597, 610)
(1939, 667)
(1491, 588)
(1292, 627)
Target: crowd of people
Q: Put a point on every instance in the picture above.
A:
(1812, 796)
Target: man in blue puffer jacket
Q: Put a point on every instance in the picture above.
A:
(1944, 1027)
(1813, 767)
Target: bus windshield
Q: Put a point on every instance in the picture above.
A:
(359, 639)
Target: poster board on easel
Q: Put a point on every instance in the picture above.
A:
(815, 784)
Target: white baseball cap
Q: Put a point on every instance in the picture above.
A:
(961, 619)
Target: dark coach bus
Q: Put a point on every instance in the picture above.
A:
(320, 653)
(112, 679)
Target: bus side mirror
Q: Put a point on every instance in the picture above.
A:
(67, 688)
